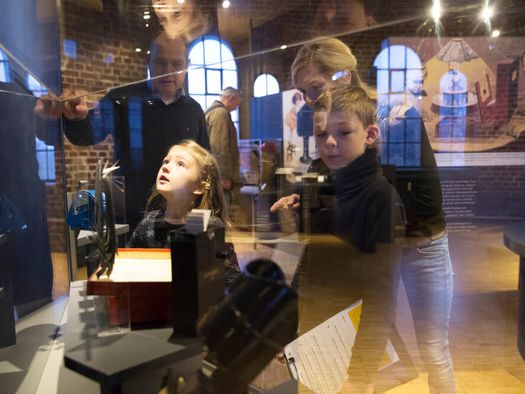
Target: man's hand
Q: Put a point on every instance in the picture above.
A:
(48, 107)
(291, 201)
(71, 104)
(74, 104)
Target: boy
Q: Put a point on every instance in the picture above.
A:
(362, 260)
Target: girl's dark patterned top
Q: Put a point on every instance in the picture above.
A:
(154, 232)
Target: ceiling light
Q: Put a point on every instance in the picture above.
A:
(436, 10)
(226, 4)
(487, 13)
(284, 46)
(180, 1)
(495, 33)
(138, 50)
(147, 16)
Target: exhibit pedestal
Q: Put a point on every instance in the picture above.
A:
(116, 360)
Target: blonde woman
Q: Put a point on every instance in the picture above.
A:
(426, 266)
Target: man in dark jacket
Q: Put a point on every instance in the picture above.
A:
(145, 119)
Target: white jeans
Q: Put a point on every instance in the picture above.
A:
(428, 278)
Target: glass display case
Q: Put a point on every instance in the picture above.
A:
(427, 97)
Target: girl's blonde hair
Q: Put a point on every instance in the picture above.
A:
(213, 197)
(329, 55)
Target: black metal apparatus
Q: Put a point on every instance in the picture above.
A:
(243, 332)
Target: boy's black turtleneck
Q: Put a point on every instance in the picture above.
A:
(354, 178)
(369, 210)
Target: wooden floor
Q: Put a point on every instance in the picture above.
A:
(484, 315)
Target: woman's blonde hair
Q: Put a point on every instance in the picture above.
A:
(212, 197)
(330, 55)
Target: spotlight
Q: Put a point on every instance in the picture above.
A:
(147, 16)
(138, 50)
(284, 46)
(495, 33)
(226, 4)
(487, 13)
(436, 10)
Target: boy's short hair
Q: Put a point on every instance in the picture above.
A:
(349, 98)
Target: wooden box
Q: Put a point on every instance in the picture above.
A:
(140, 281)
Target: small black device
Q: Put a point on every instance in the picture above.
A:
(197, 269)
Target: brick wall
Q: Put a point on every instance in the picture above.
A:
(105, 58)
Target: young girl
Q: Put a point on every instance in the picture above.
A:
(188, 178)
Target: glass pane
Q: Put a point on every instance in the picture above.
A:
(213, 81)
(196, 81)
(212, 52)
(272, 85)
(382, 60)
(230, 65)
(383, 85)
(413, 60)
(228, 62)
(229, 78)
(259, 86)
(196, 55)
(35, 86)
(397, 81)
(51, 165)
(42, 164)
(397, 56)
(4, 68)
(472, 126)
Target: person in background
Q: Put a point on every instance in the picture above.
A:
(144, 119)
(223, 140)
(426, 267)
(188, 178)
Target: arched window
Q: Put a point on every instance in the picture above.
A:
(400, 81)
(264, 85)
(394, 66)
(45, 154)
(212, 68)
(4, 68)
